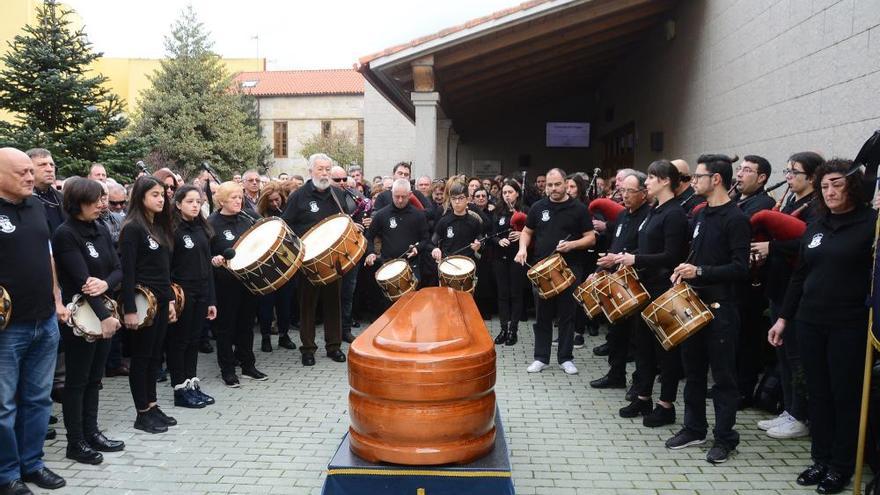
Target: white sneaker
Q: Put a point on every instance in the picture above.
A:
(569, 368)
(790, 429)
(778, 420)
(537, 367)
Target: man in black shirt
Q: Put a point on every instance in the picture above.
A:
(401, 171)
(719, 260)
(625, 239)
(308, 205)
(751, 176)
(29, 343)
(557, 223)
(44, 186)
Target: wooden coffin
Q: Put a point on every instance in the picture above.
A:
(422, 381)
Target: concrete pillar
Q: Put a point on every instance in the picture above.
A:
(426, 133)
(444, 130)
(453, 152)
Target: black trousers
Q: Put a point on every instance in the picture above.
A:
(147, 346)
(331, 312)
(234, 326)
(833, 358)
(713, 347)
(276, 306)
(791, 369)
(619, 334)
(561, 307)
(649, 356)
(182, 341)
(510, 277)
(752, 345)
(84, 362)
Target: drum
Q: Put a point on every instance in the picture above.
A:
(267, 256)
(676, 315)
(458, 272)
(585, 295)
(620, 293)
(146, 304)
(551, 276)
(332, 248)
(83, 320)
(179, 301)
(396, 278)
(5, 308)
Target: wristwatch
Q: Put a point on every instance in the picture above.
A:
(699, 271)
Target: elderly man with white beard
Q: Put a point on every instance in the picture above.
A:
(307, 206)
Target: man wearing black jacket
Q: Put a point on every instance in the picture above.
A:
(719, 259)
(401, 171)
(308, 205)
(625, 239)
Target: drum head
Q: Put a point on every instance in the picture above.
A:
(455, 266)
(255, 243)
(142, 304)
(322, 237)
(85, 318)
(391, 269)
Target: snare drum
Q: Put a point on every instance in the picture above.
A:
(5, 308)
(332, 248)
(620, 293)
(146, 304)
(179, 301)
(585, 295)
(267, 255)
(396, 278)
(458, 272)
(676, 315)
(83, 320)
(551, 276)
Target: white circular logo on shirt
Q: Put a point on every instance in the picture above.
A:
(188, 242)
(313, 206)
(392, 223)
(152, 243)
(816, 241)
(545, 216)
(501, 221)
(449, 233)
(6, 225)
(92, 251)
(228, 235)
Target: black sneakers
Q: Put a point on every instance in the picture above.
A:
(231, 380)
(147, 422)
(660, 416)
(635, 408)
(718, 453)
(162, 417)
(254, 374)
(684, 438)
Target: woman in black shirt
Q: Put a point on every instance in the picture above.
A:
(510, 276)
(276, 304)
(236, 305)
(145, 252)
(87, 264)
(191, 269)
(826, 297)
(662, 246)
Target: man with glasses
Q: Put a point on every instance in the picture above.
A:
(752, 176)
(557, 223)
(624, 239)
(117, 199)
(339, 178)
(718, 260)
(685, 194)
(251, 182)
(457, 233)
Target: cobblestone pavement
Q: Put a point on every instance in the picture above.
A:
(277, 436)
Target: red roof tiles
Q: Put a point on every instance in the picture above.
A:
(300, 82)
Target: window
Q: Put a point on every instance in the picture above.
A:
(248, 84)
(325, 128)
(280, 140)
(361, 131)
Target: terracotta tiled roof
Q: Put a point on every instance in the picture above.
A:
(452, 30)
(301, 82)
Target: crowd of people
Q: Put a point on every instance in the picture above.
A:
(169, 238)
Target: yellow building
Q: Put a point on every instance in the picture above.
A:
(127, 76)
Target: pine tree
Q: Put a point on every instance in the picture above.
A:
(57, 102)
(190, 111)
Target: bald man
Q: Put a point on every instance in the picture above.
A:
(685, 194)
(29, 344)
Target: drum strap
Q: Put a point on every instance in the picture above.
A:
(336, 200)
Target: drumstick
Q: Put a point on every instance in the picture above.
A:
(480, 240)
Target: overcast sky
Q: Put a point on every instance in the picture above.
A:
(293, 34)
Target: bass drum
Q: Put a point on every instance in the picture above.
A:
(267, 255)
(332, 248)
(551, 276)
(459, 273)
(396, 278)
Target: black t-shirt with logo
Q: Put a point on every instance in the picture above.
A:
(227, 229)
(309, 205)
(145, 261)
(453, 232)
(83, 250)
(191, 260)
(720, 244)
(398, 228)
(552, 222)
(26, 270)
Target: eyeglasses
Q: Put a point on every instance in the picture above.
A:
(791, 171)
(340, 179)
(746, 170)
(700, 176)
(459, 198)
(117, 203)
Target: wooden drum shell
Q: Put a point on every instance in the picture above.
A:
(551, 276)
(621, 293)
(676, 314)
(341, 257)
